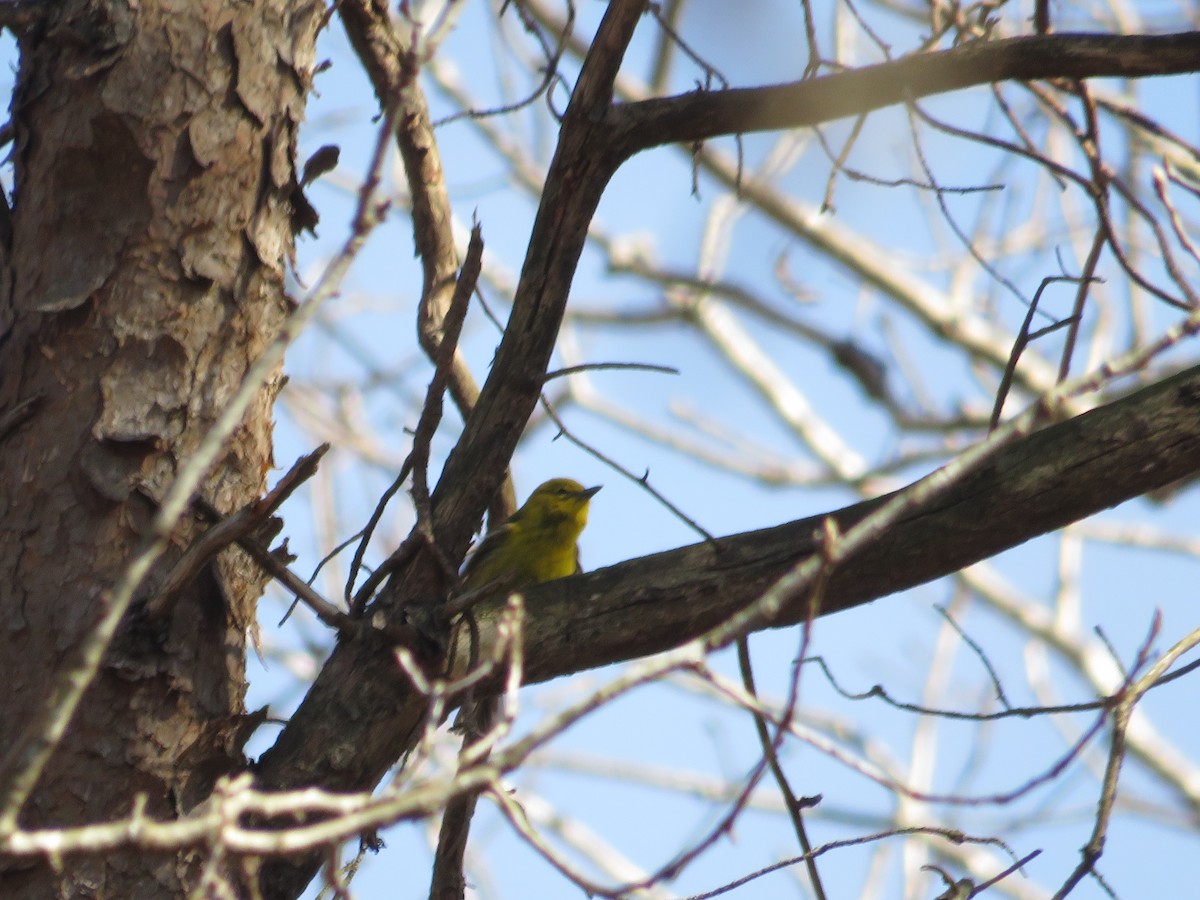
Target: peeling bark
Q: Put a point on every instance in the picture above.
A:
(151, 228)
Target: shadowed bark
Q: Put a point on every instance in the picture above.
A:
(151, 227)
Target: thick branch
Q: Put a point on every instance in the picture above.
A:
(361, 714)
(584, 161)
(706, 114)
(1036, 485)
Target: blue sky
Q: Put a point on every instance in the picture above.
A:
(357, 379)
(895, 641)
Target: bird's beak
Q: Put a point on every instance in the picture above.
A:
(590, 492)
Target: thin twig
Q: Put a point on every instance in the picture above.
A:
(228, 530)
(770, 751)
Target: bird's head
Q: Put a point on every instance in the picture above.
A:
(559, 500)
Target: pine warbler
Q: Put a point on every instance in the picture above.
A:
(537, 543)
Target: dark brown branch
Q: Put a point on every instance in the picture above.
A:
(1036, 485)
(702, 115)
(361, 712)
(583, 164)
(1041, 16)
(20, 15)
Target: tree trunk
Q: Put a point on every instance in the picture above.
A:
(151, 225)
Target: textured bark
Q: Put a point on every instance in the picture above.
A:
(151, 227)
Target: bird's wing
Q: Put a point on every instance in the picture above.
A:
(476, 563)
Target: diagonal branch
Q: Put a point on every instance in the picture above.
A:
(697, 116)
(361, 713)
(1033, 486)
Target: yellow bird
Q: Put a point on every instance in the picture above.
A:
(539, 542)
